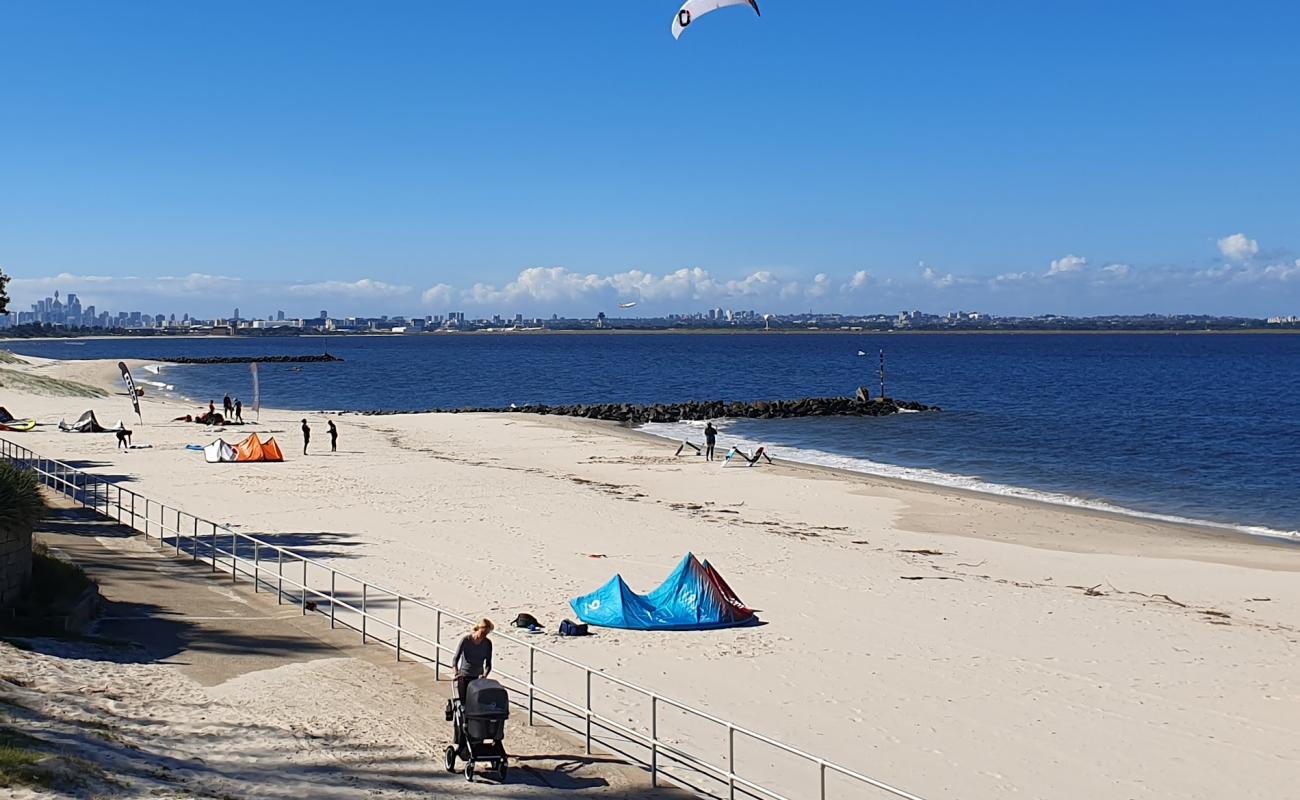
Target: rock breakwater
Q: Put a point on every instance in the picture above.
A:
(634, 414)
(326, 357)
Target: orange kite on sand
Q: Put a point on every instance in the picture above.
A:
(254, 449)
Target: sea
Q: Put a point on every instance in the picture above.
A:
(1191, 427)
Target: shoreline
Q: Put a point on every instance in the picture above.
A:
(1185, 525)
(1202, 530)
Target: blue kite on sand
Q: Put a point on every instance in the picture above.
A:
(694, 597)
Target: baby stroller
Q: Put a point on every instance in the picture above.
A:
(478, 726)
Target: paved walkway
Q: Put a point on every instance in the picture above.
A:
(243, 648)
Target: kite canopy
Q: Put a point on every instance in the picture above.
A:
(5, 416)
(694, 9)
(219, 452)
(254, 449)
(694, 597)
(86, 423)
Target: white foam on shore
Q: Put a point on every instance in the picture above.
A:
(676, 431)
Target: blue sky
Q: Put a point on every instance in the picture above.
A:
(850, 155)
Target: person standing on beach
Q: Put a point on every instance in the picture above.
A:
(306, 436)
(226, 406)
(239, 411)
(710, 439)
(473, 659)
(334, 437)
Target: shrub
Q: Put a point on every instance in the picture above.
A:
(21, 504)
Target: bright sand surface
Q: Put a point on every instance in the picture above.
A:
(1047, 652)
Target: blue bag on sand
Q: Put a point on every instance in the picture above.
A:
(571, 628)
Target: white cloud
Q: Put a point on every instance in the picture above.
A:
(940, 280)
(1238, 248)
(1008, 278)
(194, 284)
(363, 288)
(1117, 271)
(438, 295)
(1067, 265)
(860, 280)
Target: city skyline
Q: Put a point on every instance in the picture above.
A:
(70, 314)
(1013, 158)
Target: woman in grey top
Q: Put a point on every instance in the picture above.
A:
(473, 659)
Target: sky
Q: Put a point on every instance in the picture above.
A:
(522, 157)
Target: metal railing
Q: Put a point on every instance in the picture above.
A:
(703, 755)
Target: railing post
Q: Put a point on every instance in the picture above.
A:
(588, 712)
(399, 627)
(279, 576)
(532, 654)
(194, 542)
(731, 762)
(257, 557)
(234, 557)
(178, 532)
(364, 587)
(822, 765)
(654, 741)
(437, 648)
(333, 576)
(304, 587)
(214, 547)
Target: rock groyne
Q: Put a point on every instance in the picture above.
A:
(634, 414)
(252, 359)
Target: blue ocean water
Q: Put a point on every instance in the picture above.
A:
(1203, 427)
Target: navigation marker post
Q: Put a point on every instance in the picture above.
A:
(882, 374)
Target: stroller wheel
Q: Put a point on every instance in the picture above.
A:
(501, 771)
(450, 755)
(469, 771)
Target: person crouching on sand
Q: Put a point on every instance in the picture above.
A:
(473, 659)
(306, 436)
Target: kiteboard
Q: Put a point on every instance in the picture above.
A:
(18, 425)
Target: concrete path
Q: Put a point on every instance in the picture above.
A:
(244, 651)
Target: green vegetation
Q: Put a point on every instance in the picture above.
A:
(40, 384)
(7, 357)
(21, 504)
(56, 584)
(21, 761)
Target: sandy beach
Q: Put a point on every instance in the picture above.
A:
(954, 644)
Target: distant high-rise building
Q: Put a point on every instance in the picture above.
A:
(235, 317)
(279, 316)
(324, 314)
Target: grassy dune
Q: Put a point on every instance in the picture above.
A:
(53, 387)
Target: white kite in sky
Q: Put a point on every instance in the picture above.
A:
(694, 9)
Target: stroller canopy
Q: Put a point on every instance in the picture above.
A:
(486, 699)
(86, 423)
(694, 597)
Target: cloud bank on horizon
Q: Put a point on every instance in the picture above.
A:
(1244, 280)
